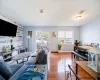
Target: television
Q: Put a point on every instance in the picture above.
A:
(7, 29)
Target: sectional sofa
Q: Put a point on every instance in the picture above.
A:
(8, 70)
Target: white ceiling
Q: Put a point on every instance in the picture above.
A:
(56, 12)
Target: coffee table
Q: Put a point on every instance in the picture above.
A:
(22, 56)
(84, 66)
(21, 70)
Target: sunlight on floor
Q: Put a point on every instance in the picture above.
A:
(63, 63)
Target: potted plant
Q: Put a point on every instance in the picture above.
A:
(61, 42)
(59, 48)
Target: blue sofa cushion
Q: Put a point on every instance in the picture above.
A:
(30, 61)
(14, 68)
(5, 70)
(1, 78)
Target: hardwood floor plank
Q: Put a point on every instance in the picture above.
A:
(57, 67)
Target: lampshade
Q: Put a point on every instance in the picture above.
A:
(28, 37)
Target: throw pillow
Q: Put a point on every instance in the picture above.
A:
(44, 61)
(40, 57)
(36, 59)
(1, 58)
(5, 70)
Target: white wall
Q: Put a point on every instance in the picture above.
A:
(53, 41)
(90, 33)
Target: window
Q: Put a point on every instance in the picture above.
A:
(69, 34)
(66, 36)
(61, 34)
(42, 35)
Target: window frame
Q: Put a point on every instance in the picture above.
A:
(65, 38)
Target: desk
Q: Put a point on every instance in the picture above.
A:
(83, 65)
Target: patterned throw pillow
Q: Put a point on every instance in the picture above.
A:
(38, 68)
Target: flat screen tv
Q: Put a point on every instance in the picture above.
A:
(7, 29)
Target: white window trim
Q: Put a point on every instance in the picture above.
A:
(66, 38)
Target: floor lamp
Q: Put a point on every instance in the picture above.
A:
(28, 37)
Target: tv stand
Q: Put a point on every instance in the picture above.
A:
(7, 56)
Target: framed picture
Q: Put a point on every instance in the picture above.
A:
(30, 34)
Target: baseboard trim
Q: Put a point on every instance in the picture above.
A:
(61, 52)
(54, 51)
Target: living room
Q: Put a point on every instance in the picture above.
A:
(49, 38)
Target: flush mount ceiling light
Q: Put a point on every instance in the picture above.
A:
(81, 12)
(79, 17)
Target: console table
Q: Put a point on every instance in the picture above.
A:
(73, 54)
(85, 47)
(83, 65)
(81, 52)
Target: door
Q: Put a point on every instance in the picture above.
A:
(42, 40)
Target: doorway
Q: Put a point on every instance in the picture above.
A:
(42, 40)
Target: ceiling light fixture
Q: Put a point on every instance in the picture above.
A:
(81, 12)
(41, 11)
(78, 17)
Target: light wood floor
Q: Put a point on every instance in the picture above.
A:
(57, 69)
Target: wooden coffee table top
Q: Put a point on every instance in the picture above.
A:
(83, 65)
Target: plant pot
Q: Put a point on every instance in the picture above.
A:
(59, 51)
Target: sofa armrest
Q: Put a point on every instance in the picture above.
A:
(1, 78)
